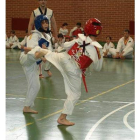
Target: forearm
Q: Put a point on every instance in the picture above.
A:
(26, 49)
(55, 30)
(43, 59)
(31, 24)
(54, 26)
(29, 29)
(40, 54)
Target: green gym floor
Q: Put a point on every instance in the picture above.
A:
(106, 112)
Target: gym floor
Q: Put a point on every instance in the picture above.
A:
(106, 112)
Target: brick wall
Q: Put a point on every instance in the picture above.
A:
(114, 14)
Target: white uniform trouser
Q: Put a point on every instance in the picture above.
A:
(29, 65)
(127, 53)
(7, 44)
(15, 44)
(108, 54)
(72, 78)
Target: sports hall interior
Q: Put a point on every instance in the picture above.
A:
(107, 111)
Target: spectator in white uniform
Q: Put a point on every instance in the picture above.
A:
(7, 42)
(13, 40)
(67, 38)
(76, 30)
(24, 41)
(59, 45)
(29, 59)
(63, 30)
(107, 46)
(125, 47)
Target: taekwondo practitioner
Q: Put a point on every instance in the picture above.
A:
(107, 46)
(13, 40)
(80, 53)
(30, 57)
(7, 42)
(44, 10)
(125, 47)
(76, 30)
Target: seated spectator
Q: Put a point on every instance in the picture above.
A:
(63, 30)
(59, 45)
(24, 41)
(67, 38)
(125, 47)
(73, 37)
(13, 40)
(7, 43)
(76, 30)
(107, 46)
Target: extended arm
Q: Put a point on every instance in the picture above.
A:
(31, 23)
(54, 26)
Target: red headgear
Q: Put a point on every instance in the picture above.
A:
(93, 27)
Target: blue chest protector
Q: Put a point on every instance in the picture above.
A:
(40, 42)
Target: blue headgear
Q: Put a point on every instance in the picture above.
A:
(38, 21)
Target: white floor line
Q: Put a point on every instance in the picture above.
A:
(120, 102)
(18, 96)
(126, 122)
(102, 119)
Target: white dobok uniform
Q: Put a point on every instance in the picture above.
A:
(107, 47)
(128, 48)
(63, 31)
(7, 41)
(30, 67)
(23, 42)
(59, 46)
(15, 41)
(49, 13)
(70, 70)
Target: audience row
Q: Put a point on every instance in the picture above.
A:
(124, 48)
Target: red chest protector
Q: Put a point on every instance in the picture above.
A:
(77, 53)
(83, 61)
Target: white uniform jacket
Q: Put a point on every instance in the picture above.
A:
(13, 40)
(63, 31)
(90, 50)
(122, 47)
(32, 42)
(108, 46)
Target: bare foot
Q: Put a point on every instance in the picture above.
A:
(122, 57)
(65, 122)
(41, 76)
(29, 110)
(49, 73)
(115, 57)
